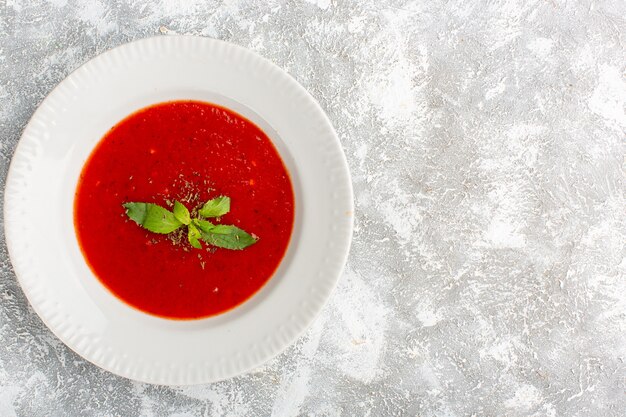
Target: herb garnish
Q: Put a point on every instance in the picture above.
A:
(160, 220)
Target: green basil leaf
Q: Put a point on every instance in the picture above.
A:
(136, 212)
(216, 207)
(152, 217)
(194, 235)
(181, 213)
(228, 237)
(203, 225)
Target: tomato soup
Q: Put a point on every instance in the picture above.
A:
(191, 152)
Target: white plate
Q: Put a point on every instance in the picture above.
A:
(43, 177)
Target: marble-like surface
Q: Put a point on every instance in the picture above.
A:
(487, 144)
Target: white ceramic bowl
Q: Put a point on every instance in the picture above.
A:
(39, 202)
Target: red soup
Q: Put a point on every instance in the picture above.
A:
(191, 152)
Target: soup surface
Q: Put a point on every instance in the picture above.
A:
(191, 152)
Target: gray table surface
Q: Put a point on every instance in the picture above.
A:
(487, 147)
